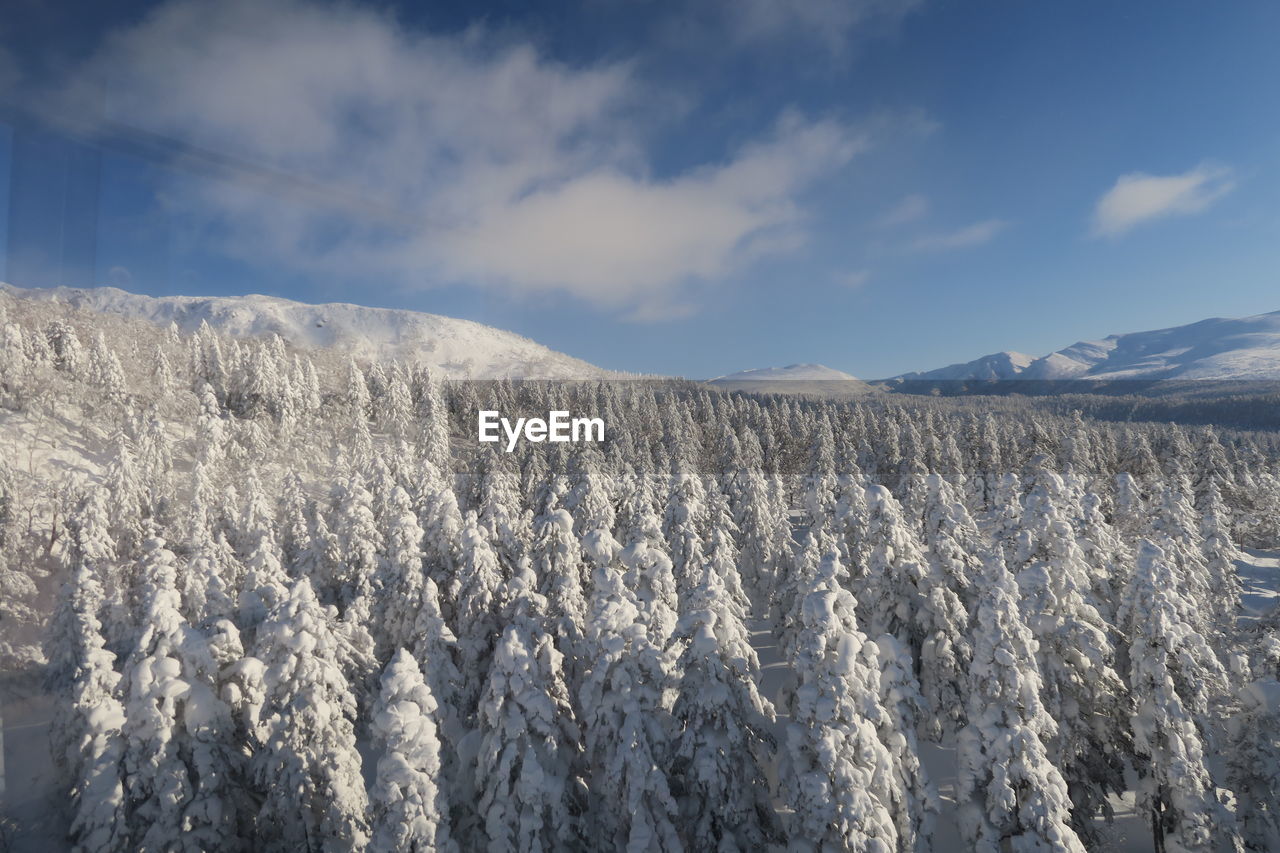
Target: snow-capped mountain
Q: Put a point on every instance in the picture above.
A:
(1247, 348)
(813, 379)
(457, 348)
(1000, 365)
(792, 372)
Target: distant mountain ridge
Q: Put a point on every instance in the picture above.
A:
(458, 349)
(792, 372)
(1246, 348)
(812, 379)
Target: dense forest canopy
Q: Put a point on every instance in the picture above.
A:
(287, 601)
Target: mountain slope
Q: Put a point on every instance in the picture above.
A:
(1000, 365)
(1247, 348)
(457, 348)
(813, 379)
(792, 372)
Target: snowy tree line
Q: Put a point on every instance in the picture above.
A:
(294, 605)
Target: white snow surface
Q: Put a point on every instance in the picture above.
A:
(1247, 348)
(1000, 365)
(792, 372)
(1260, 578)
(457, 349)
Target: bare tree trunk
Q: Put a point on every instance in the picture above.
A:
(2, 786)
(1157, 825)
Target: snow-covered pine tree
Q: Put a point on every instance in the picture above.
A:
(88, 744)
(105, 370)
(904, 705)
(764, 531)
(684, 524)
(802, 568)
(951, 537)
(1129, 513)
(433, 415)
(20, 618)
(178, 761)
(362, 546)
(409, 806)
(558, 564)
(155, 464)
(722, 722)
(357, 392)
(722, 553)
(127, 505)
(477, 627)
(851, 512)
(399, 587)
(648, 570)
(588, 500)
(1253, 764)
(1211, 470)
(436, 506)
(435, 649)
(295, 521)
(1174, 676)
(362, 542)
(210, 576)
(321, 558)
(904, 594)
(500, 510)
(838, 777)
(627, 725)
(1009, 793)
(1106, 554)
(1075, 654)
(307, 765)
(1220, 555)
(529, 742)
(265, 581)
(1172, 524)
(820, 479)
(1004, 520)
(984, 445)
(397, 413)
(65, 347)
(952, 544)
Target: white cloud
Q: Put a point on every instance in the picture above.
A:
(912, 208)
(962, 238)
(853, 279)
(830, 22)
(1138, 197)
(9, 77)
(119, 276)
(614, 237)
(423, 160)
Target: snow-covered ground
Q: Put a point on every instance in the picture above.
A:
(457, 348)
(1260, 574)
(30, 788)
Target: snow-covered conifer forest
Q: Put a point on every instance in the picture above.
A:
(259, 598)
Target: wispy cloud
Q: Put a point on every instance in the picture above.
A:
(488, 164)
(912, 208)
(853, 279)
(962, 238)
(832, 23)
(1137, 198)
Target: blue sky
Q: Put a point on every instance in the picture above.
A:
(688, 188)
